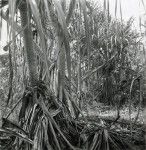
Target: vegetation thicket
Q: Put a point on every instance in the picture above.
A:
(67, 64)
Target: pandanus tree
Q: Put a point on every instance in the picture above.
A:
(66, 53)
(31, 11)
(33, 101)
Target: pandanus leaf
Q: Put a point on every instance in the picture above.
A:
(21, 136)
(9, 124)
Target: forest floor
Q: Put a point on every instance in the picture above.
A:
(93, 113)
(107, 111)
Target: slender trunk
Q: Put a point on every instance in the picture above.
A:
(28, 43)
(61, 67)
(0, 115)
(144, 98)
(144, 87)
(79, 64)
(79, 80)
(62, 47)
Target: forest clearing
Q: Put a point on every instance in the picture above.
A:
(72, 76)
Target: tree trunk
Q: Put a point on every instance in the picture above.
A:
(28, 43)
(144, 97)
(144, 86)
(79, 79)
(0, 115)
(61, 67)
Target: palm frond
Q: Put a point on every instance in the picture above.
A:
(104, 139)
(11, 125)
(143, 5)
(87, 31)
(116, 4)
(70, 11)
(21, 136)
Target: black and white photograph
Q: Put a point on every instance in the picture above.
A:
(72, 74)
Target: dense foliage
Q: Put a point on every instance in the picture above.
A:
(64, 57)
